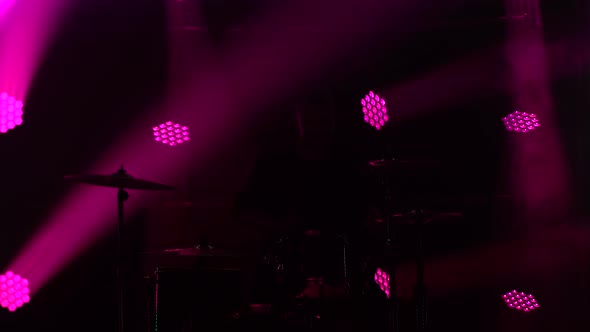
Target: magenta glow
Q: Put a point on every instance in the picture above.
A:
(170, 133)
(521, 122)
(520, 301)
(14, 291)
(383, 281)
(374, 110)
(11, 112)
(5, 7)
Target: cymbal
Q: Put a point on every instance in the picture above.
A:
(197, 252)
(394, 163)
(428, 216)
(410, 217)
(120, 180)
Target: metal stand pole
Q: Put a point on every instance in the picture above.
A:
(122, 196)
(420, 290)
(393, 316)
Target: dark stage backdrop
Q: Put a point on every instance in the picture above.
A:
(108, 65)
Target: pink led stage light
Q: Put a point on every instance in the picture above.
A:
(521, 301)
(374, 110)
(11, 112)
(14, 291)
(171, 133)
(521, 122)
(383, 281)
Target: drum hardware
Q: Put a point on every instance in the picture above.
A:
(388, 170)
(198, 252)
(306, 270)
(120, 180)
(260, 308)
(345, 262)
(420, 219)
(204, 244)
(195, 298)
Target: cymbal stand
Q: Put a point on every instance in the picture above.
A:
(345, 261)
(120, 180)
(390, 254)
(122, 196)
(419, 217)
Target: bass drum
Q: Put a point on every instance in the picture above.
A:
(309, 265)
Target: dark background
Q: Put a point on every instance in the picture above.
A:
(109, 63)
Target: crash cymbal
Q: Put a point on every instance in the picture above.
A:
(198, 252)
(120, 180)
(401, 164)
(410, 217)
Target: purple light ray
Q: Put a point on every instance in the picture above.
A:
(5, 6)
(26, 33)
(470, 77)
(14, 291)
(88, 213)
(11, 112)
(309, 38)
(540, 173)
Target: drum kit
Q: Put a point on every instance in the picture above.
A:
(301, 259)
(121, 181)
